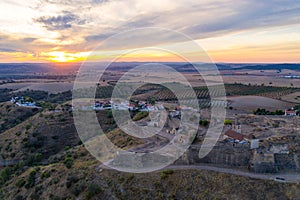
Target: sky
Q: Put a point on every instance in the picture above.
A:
(240, 31)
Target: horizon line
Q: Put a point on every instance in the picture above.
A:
(57, 63)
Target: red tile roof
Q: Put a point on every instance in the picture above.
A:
(290, 111)
(234, 135)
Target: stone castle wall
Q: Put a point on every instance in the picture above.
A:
(240, 155)
(228, 154)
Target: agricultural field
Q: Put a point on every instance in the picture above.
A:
(231, 90)
(293, 97)
(265, 80)
(250, 103)
(265, 91)
(51, 87)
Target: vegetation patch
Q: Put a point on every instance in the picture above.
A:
(140, 115)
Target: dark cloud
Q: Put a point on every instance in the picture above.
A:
(98, 38)
(61, 22)
(29, 39)
(43, 3)
(7, 50)
(100, 1)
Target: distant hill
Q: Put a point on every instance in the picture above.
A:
(22, 70)
(37, 68)
(271, 67)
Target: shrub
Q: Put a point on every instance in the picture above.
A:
(31, 179)
(140, 115)
(78, 188)
(45, 174)
(227, 122)
(55, 137)
(18, 133)
(34, 159)
(19, 166)
(70, 180)
(166, 173)
(69, 162)
(93, 189)
(63, 119)
(279, 112)
(28, 126)
(109, 114)
(68, 184)
(5, 175)
(262, 111)
(54, 181)
(34, 196)
(19, 197)
(204, 122)
(20, 183)
(35, 134)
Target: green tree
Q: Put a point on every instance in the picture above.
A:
(204, 122)
(227, 122)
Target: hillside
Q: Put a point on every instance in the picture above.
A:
(85, 180)
(48, 133)
(12, 115)
(39, 137)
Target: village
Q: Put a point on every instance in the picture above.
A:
(133, 105)
(23, 101)
(260, 143)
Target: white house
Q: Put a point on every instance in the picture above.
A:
(21, 102)
(290, 113)
(26, 104)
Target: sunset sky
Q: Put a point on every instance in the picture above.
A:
(229, 30)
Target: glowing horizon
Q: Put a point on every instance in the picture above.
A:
(233, 32)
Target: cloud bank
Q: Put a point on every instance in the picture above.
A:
(77, 25)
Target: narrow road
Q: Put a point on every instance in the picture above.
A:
(289, 177)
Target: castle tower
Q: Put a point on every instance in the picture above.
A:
(237, 127)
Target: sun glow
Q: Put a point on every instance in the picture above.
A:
(61, 56)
